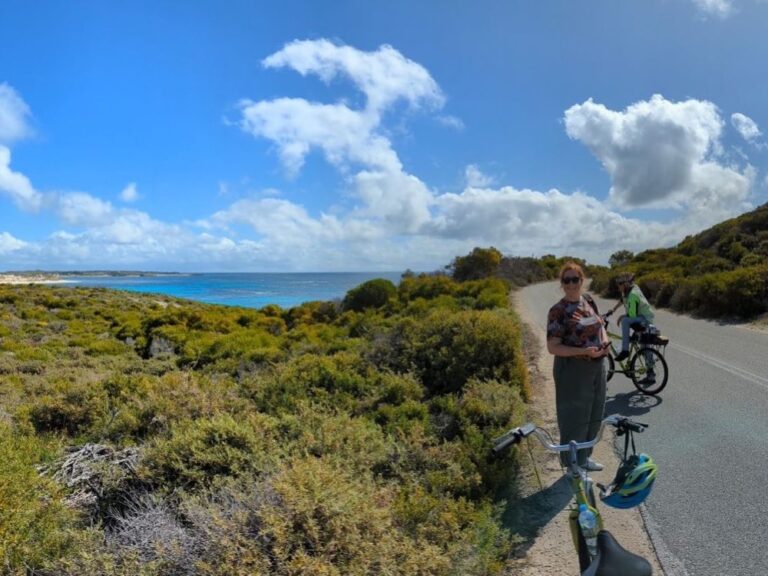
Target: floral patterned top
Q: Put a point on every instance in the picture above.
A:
(582, 333)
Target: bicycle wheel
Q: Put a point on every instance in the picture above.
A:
(649, 371)
(611, 367)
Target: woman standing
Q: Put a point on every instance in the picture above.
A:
(577, 339)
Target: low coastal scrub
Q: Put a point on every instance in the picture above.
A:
(142, 434)
(719, 273)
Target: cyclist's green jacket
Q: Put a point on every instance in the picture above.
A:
(637, 305)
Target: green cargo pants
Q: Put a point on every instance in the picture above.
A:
(580, 398)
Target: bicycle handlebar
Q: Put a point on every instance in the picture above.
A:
(621, 423)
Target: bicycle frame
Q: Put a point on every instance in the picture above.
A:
(642, 364)
(633, 348)
(581, 483)
(582, 486)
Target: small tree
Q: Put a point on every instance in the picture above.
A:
(478, 264)
(621, 258)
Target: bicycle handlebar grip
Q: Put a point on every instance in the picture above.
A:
(512, 437)
(508, 439)
(634, 426)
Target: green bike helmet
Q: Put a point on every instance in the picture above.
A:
(632, 484)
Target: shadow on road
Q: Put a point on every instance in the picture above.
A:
(526, 516)
(631, 404)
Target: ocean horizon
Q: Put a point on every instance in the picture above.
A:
(246, 289)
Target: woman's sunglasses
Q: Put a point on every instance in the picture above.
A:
(571, 280)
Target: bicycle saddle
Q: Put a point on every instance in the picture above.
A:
(613, 560)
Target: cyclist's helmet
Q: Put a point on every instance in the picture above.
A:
(627, 279)
(633, 482)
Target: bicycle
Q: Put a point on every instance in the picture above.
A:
(645, 365)
(611, 559)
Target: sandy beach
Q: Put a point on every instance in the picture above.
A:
(30, 279)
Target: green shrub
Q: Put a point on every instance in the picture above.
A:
(142, 405)
(426, 286)
(682, 298)
(478, 545)
(357, 443)
(753, 259)
(485, 294)
(372, 294)
(230, 350)
(326, 520)
(490, 404)
(312, 313)
(337, 382)
(69, 407)
(313, 517)
(486, 410)
(446, 350)
(34, 523)
(201, 451)
(105, 347)
(742, 293)
(402, 417)
(398, 388)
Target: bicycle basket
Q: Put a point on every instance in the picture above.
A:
(653, 339)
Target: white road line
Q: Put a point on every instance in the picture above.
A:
(730, 368)
(670, 564)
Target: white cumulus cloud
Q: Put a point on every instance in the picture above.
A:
(82, 209)
(399, 200)
(720, 8)
(10, 244)
(384, 75)
(657, 153)
(345, 136)
(475, 177)
(745, 126)
(279, 219)
(130, 193)
(351, 139)
(126, 238)
(14, 116)
(530, 221)
(660, 153)
(17, 186)
(451, 122)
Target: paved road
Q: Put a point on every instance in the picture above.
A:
(709, 434)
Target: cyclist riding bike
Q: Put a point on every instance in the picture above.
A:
(639, 314)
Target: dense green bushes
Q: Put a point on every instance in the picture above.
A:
(445, 351)
(33, 519)
(372, 294)
(719, 273)
(324, 439)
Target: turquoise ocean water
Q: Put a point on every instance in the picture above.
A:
(252, 290)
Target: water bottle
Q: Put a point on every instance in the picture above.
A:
(589, 528)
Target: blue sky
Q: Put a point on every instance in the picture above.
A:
(363, 136)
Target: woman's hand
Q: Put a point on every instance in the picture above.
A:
(596, 352)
